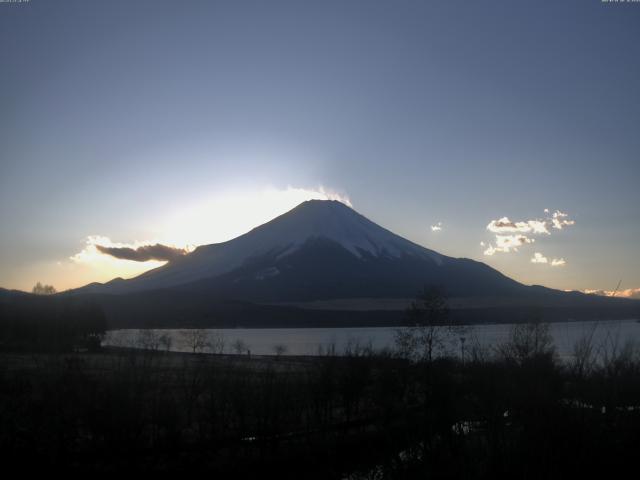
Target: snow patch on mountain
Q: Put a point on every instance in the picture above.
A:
(267, 273)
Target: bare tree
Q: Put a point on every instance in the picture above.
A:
(527, 341)
(40, 289)
(617, 354)
(148, 340)
(474, 350)
(279, 349)
(216, 342)
(429, 326)
(239, 346)
(585, 354)
(406, 341)
(166, 341)
(196, 339)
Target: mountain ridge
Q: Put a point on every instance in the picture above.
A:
(324, 251)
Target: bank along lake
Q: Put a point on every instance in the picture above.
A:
(612, 334)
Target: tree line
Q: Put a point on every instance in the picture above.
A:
(46, 322)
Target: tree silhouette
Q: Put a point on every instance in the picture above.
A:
(40, 289)
(425, 335)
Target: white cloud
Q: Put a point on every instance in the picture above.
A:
(437, 227)
(538, 226)
(560, 220)
(504, 225)
(490, 250)
(509, 234)
(508, 243)
(539, 258)
(627, 293)
(322, 193)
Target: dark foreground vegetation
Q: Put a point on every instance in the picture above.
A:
(45, 323)
(517, 414)
(515, 411)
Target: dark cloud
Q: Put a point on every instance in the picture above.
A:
(144, 253)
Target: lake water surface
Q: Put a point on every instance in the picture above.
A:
(314, 341)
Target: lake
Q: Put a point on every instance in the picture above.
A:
(315, 341)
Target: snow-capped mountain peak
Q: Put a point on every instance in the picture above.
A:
(312, 220)
(335, 221)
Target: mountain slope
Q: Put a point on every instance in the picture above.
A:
(295, 270)
(320, 249)
(323, 269)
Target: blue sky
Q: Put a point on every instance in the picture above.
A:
(118, 117)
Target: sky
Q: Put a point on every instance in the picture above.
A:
(502, 131)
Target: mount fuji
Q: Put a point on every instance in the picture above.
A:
(321, 249)
(320, 260)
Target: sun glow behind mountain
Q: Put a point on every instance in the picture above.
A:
(213, 219)
(221, 218)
